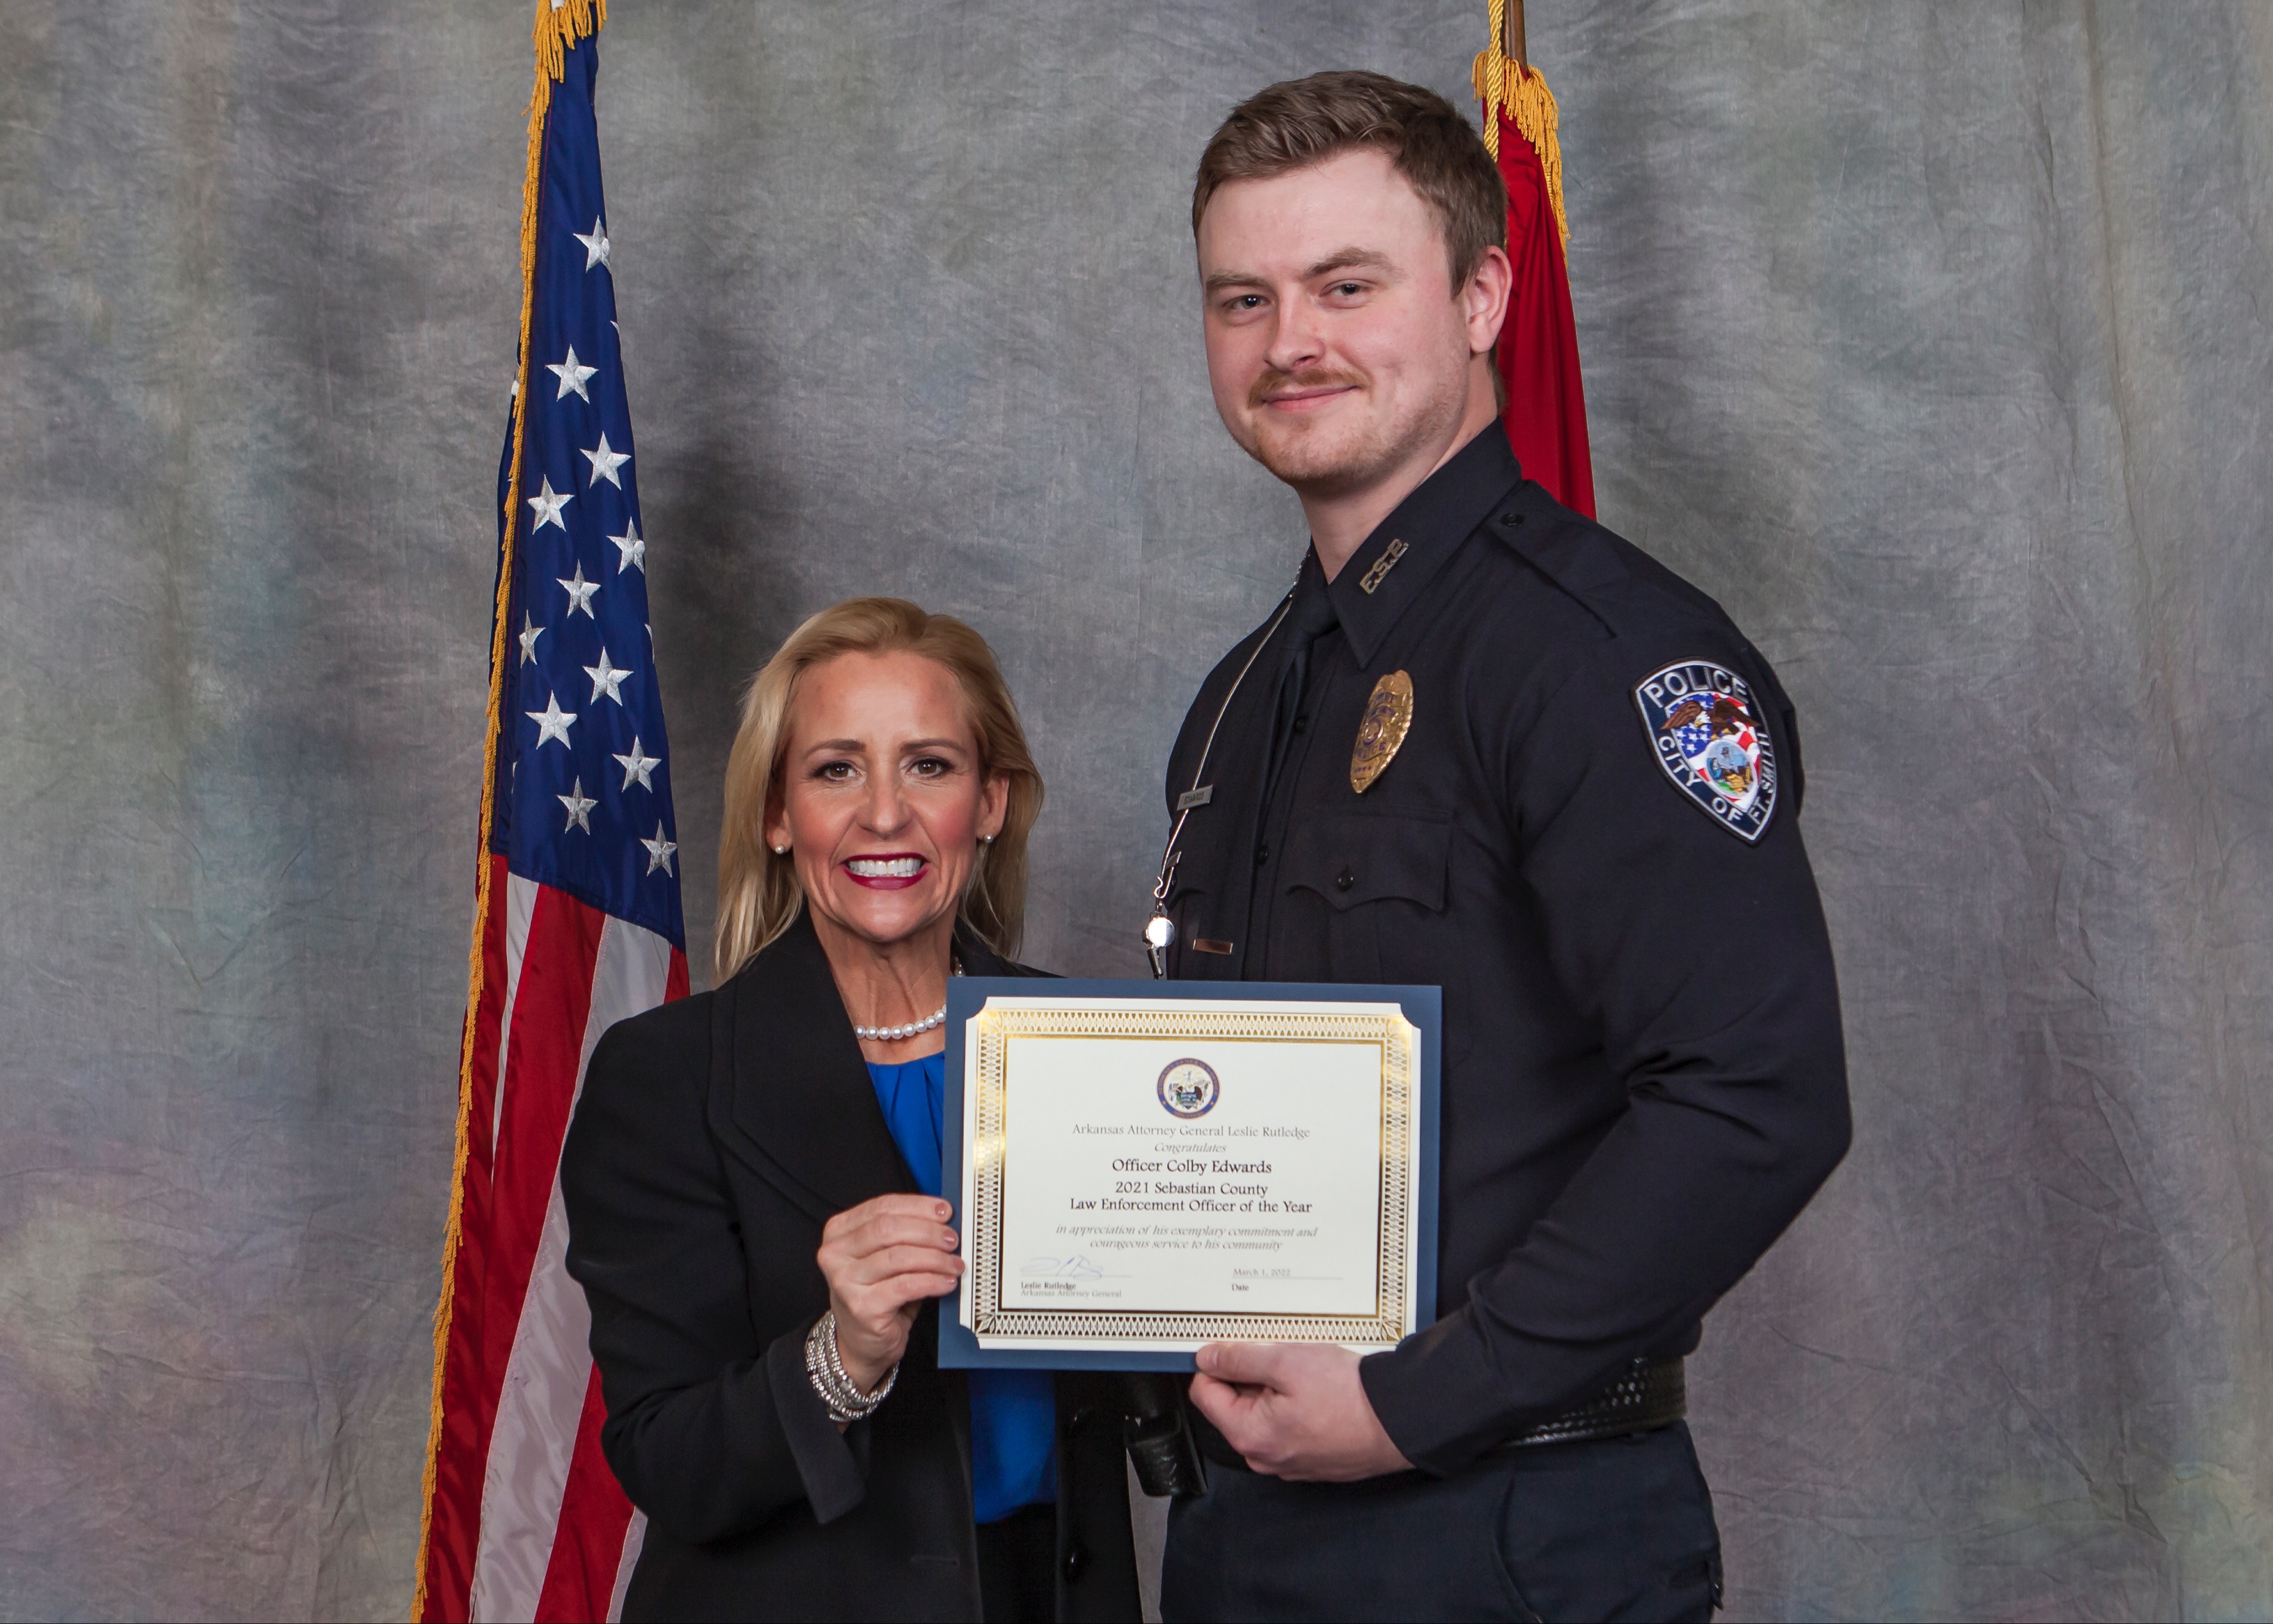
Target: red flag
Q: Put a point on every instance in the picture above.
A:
(1538, 355)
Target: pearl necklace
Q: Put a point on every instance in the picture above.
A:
(893, 1034)
(914, 1028)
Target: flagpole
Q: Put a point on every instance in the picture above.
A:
(1510, 35)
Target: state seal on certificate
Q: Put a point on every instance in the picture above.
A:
(1142, 1168)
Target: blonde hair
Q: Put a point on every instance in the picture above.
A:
(759, 896)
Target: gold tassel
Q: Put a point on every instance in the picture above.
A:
(1503, 83)
(558, 25)
(1490, 74)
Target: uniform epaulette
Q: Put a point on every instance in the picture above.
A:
(1596, 567)
(1564, 547)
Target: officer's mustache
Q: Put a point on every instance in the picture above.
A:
(1281, 383)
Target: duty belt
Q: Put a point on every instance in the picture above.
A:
(1649, 1394)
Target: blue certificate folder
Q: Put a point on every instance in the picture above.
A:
(966, 995)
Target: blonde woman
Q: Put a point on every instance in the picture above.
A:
(752, 1181)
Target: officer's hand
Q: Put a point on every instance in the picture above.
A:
(882, 1258)
(1295, 1410)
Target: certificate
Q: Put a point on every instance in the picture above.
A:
(1142, 1168)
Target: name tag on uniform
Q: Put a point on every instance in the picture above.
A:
(1139, 1169)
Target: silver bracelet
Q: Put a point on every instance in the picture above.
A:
(824, 1367)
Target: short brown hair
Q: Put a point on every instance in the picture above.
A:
(759, 896)
(1301, 122)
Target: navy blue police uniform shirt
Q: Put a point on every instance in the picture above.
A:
(1588, 837)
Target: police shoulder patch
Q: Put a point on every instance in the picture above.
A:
(1708, 731)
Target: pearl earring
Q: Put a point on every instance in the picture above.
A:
(781, 851)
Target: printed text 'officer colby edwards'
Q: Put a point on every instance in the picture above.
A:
(1485, 744)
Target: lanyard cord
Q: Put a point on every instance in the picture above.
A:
(1158, 930)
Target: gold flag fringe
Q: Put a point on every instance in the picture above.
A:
(1505, 84)
(558, 25)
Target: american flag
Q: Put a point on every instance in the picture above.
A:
(1695, 736)
(579, 924)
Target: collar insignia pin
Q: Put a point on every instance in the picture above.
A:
(1388, 718)
(1382, 566)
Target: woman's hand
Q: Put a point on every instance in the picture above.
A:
(882, 1258)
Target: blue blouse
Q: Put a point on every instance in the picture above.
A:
(1013, 1412)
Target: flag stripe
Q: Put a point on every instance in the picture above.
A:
(548, 1375)
(634, 1537)
(595, 1520)
(551, 1003)
(533, 1434)
(519, 909)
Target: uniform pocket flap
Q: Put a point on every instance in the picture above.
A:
(1349, 861)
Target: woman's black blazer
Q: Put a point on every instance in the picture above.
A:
(715, 1137)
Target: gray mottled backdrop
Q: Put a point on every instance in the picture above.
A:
(1932, 339)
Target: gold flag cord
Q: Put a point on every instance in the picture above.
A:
(1504, 84)
(558, 25)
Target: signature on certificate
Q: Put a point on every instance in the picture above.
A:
(1076, 1268)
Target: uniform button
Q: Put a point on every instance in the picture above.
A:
(1511, 517)
(1300, 722)
(1344, 879)
(1077, 1561)
(1262, 855)
(1078, 1422)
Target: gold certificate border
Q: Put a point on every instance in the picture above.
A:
(1001, 1022)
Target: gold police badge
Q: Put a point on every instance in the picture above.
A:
(1388, 718)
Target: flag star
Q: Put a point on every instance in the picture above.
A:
(549, 503)
(659, 849)
(529, 633)
(604, 462)
(580, 591)
(636, 766)
(631, 544)
(580, 808)
(596, 247)
(606, 678)
(552, 722)
(571, 376)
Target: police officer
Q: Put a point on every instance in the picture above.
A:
(1484, 744)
